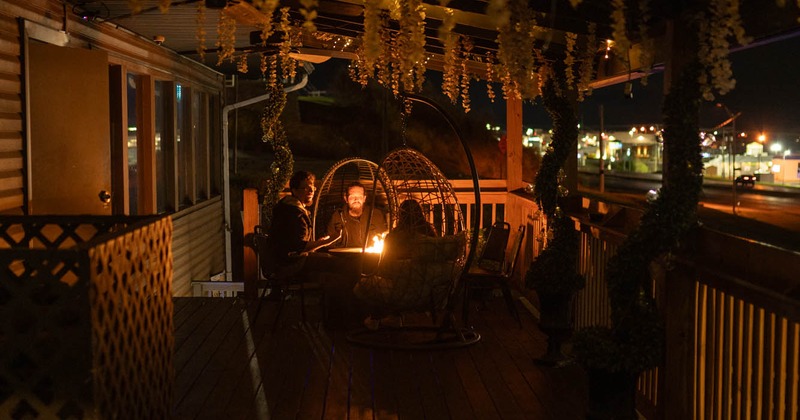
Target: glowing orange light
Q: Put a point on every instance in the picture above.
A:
(377, 244)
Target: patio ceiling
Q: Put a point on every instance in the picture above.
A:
(343, 20)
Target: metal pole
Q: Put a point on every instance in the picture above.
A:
(733, 161)
(602, 153)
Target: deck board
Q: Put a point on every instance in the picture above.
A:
(231, 366)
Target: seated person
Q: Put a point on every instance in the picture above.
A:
(417, 269)
(411, 223)
(291, 229)
(351, 222)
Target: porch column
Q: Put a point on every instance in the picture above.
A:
(146, 145)
(514, 144)
(249, 221)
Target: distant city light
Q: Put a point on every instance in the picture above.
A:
(762, 137)
(776, 147)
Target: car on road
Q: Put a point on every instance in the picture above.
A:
(745, 181)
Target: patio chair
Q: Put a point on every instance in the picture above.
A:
(494, 250)
(482, 276)
(278, 285)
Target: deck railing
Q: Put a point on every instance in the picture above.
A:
(732, 315)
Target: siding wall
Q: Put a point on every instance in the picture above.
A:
(198, 245)
(198, 239)
(11, 144)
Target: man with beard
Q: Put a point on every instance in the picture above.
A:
(358, 223)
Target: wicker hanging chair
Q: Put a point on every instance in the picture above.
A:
(423, 256)
(419, 270)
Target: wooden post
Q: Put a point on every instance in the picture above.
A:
(250, 219)
(678, 372)
(514, 144)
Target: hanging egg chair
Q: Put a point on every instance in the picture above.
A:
(423, 257)
(425, 250)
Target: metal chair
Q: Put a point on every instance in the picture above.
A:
(281, 286)
(481, 276)
(493, 253)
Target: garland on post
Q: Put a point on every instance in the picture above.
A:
(635, 341)
(283, 165)
(553, 271)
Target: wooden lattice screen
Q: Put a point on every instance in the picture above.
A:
(85, 317)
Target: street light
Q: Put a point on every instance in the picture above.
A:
(732, 121)
(761, 139)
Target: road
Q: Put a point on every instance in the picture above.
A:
(765, 213)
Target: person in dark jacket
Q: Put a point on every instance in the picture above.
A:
(291, 230)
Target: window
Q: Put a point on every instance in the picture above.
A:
(184, 139)
(200, 131)
(173, 160)
(164, 150)
(132, 158)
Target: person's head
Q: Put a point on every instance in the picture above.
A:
(354, 196)
(411, 217)
(301, 184)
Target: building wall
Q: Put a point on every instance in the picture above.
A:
(197, 201)
(11, 144)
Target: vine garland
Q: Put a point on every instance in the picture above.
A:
(553, 271)
(634, 343)
(283, 165)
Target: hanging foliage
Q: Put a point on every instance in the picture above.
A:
(200, 19)
(634, 343)
(451, 68)
(715, 31)
(267, 8)
(516, 51)
(288, 64)
(309, 12)
(226, 37)
(586, 73)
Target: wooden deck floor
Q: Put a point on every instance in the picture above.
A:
(228, 367)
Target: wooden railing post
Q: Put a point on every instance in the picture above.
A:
(678, 378)
(250, 218)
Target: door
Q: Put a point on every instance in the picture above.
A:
(69, 149)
